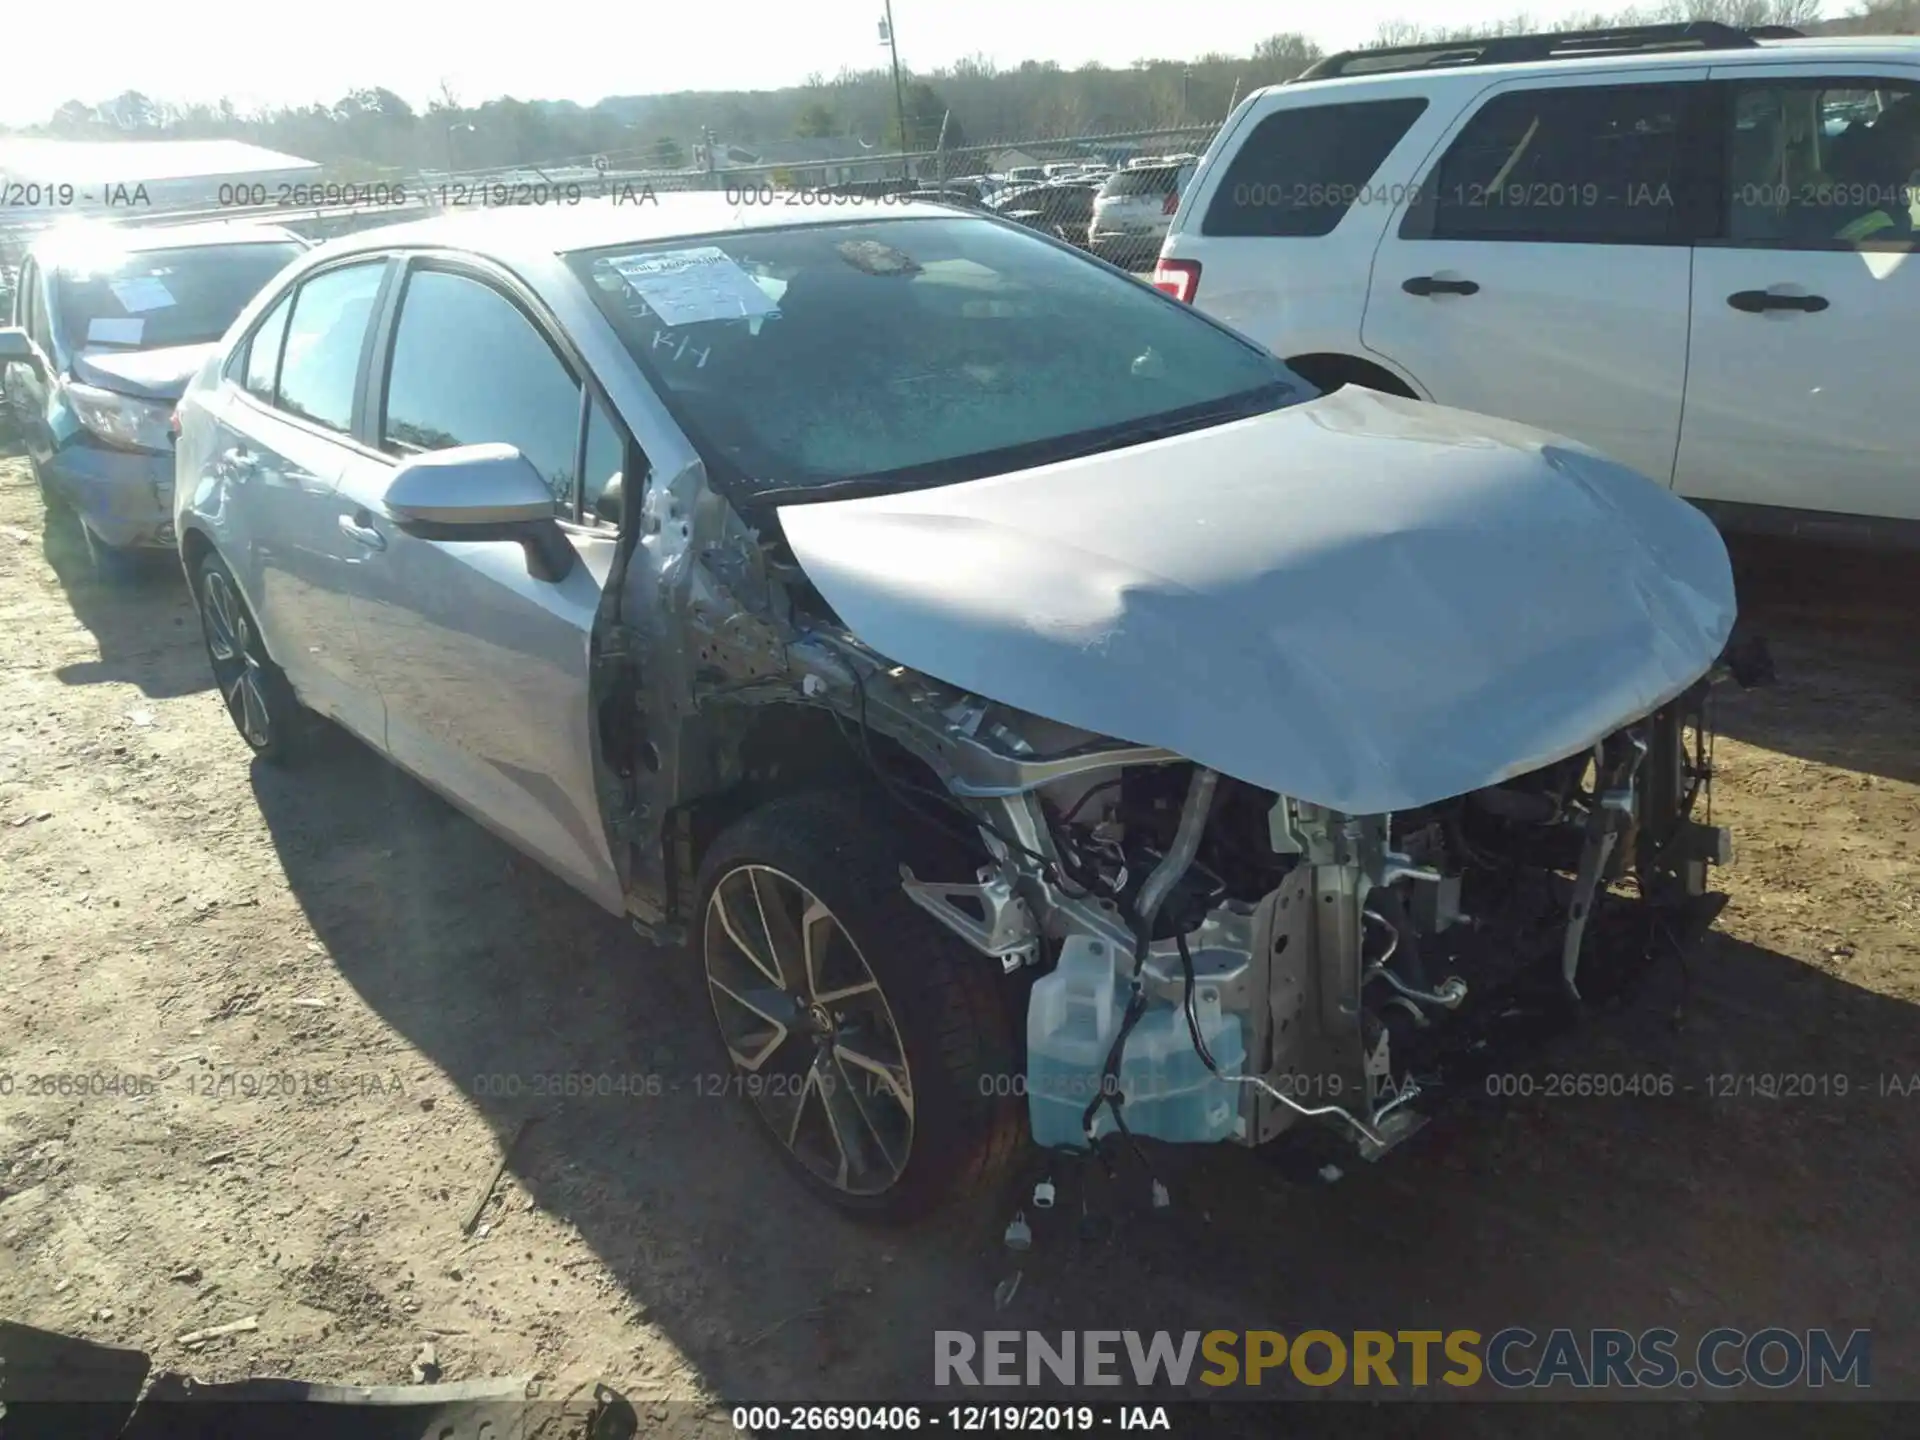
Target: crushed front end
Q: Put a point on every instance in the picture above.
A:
(1216, 962)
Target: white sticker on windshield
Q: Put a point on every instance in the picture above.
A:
(140, 293)
(685, 287)
(109, 331)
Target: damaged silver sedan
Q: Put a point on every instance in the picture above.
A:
(1035, 708)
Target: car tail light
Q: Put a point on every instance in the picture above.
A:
(1172, 203)
(173, 424)
(1178, 278)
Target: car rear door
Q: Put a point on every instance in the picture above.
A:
(27, 384)
(1796, 397)
(483, 666)
(1540, 270)
(283, 419)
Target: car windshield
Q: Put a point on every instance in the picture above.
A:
(892, 353)
(147, 300)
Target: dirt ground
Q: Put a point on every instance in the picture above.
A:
(300, 1006)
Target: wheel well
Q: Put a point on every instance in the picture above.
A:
(771, 751)
(1329, 372)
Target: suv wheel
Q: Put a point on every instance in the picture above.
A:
(868, 1040)
(254, 689)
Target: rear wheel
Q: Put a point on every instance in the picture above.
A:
(255, 690)
(873, 1045)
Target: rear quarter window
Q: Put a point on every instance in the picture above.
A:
(1301, 169)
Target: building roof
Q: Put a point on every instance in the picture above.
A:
(136, 162)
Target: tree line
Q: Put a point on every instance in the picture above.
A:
(970, 102)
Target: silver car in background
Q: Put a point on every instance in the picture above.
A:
(1034, 707)
(109, 323)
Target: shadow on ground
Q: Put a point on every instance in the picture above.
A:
(138, 621)
(1840, 623)
(1692, 1208)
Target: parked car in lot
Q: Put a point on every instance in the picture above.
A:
(1062, 209)
(1680, 244)
(939, 633)
(108, 323)
(1134, 210)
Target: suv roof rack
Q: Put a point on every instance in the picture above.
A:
(1553, 45)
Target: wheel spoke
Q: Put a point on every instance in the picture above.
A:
(219, 620)
(892, 1077)
(724, 910)
(256, 726)
(819, 931)
(763, 1005)
(854, 1086)
(784, 943)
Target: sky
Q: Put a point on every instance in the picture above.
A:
(259, 52)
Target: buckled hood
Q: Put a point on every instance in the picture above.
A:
(147, 374)
(1364, 602)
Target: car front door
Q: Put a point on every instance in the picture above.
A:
(484, 666)
(284, 427)
(1540, 269)
(1796, 396)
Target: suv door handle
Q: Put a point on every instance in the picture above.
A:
(1434, 285)
(352, 527)
(1755, 301)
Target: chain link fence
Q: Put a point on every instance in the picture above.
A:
(836, 165)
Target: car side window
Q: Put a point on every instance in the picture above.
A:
(1823, 164)
(320, 359)
(469, 368)
(604, 487)
(1302, 168)
(262, 368)
(1589, 164)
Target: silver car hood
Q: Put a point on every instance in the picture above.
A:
(1363, 602)
(154, 374)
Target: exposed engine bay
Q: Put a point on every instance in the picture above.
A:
(1345, 946)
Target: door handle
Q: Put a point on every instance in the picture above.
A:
(1755, 301)
(1434, 285)
(351, 526)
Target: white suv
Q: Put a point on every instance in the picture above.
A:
(1689, 246)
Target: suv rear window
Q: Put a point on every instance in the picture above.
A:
(1147, 180)
(1302, 169)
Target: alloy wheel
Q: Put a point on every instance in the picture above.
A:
(813, 1041)
(236, 665)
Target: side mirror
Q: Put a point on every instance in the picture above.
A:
(15, 346)
(481, 492)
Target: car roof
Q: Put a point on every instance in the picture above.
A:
(540, 230)
(1827, 49)
(63, 243)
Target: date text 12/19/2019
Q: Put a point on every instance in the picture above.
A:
(958, 1419)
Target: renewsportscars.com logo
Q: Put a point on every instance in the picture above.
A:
(1512, 1359)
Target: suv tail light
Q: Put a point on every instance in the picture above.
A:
(1178, 278)
(1172, 203)
(173, 423)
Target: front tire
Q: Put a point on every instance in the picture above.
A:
(258, 697)
(872, 1044)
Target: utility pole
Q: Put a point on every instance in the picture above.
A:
(899, 97)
